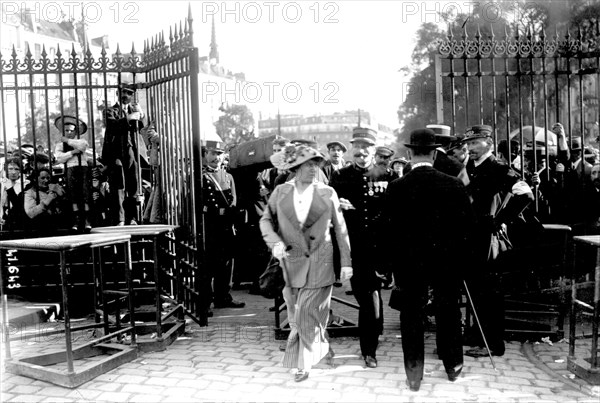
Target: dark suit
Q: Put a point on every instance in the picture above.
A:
(490, 183)
(329, 169)
(119, 154)
(365, 189)
(433, 215)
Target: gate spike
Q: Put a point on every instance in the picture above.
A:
(170, 36)
(118, 52)
(14, 53)
(478, 33)
(162, 39)
(528, 32)
(28, 52)
(190, 28)
(73, 53)
(44, 54)
(175, 31)
(152, 45)
(465, 35)
(132, 49)
(180, 30)
(103, 51)
(450, 33)
(492, 35)
(58, 52)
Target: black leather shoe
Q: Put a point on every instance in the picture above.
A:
(370, 362)
(482, 352)
(210, 313)
(452, 376)
(230, 304)
(301, 375)
(413, 385)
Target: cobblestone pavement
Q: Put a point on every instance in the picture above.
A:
(237, 358)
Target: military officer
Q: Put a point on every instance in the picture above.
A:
(219, 199)
(361, 187)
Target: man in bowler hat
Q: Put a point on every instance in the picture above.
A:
(361, 188)
(434, 211)
(499, 196)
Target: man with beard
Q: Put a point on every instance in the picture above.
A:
(120, 152)
(361, 188)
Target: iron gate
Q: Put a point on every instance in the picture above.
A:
(512, 81)
(34, 92)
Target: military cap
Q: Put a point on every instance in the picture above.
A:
(213, 145)
(442, 131)
(337, 143)
(422, 138)
(478, 132)
(384, 151)
(364, 134)
(65, 120)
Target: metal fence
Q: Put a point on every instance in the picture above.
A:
(35, 92)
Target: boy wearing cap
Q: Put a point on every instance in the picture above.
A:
(490, 183)
(361, 188)
(72, 152)
(336, 151)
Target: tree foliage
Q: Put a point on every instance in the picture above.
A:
(235, 125)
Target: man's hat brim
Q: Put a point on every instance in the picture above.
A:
(337, 143)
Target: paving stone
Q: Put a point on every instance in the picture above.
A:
(143, 389)
(25, 390)
(57, 399)
(145, 398)
(27, 398)
(196, 383)
(114, 397)
(161, 381)
(83, 394)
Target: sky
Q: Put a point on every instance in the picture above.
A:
(301, 57)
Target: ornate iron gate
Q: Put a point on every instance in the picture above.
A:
(34, 92)
(511, 82)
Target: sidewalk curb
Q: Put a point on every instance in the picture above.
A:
(576, 384)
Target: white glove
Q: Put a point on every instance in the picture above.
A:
(346, 205)
(521, 188)
(346, 273)
(279, 251)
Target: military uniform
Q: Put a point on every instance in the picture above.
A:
(218, 217)
(365, 188)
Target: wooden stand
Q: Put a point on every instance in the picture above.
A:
(586, 368)
(37, 366)
(165, 333)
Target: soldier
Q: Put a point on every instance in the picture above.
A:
(499, 196)
(361, 187)
(219, 199)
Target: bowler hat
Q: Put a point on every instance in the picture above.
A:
(364, 134)
(442, 131)
(422, 138)
(80, 126)
(576, 144)
(478, 132)
(292, 156)
(337, 143)
(384, 151)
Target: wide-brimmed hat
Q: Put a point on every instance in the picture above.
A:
(442, 132)
(337, 143)
(364, 134)
(478, 132)
(292, 156)
(61, 121)
(422, 138)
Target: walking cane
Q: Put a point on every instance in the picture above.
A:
(479, 324)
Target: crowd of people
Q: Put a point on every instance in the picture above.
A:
(327, 221)
(67, 189)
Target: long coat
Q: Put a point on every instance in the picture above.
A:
(310, 248)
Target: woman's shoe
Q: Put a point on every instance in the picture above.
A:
(301, 375)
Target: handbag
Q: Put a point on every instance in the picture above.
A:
(271, 282)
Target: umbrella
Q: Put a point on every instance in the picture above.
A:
(540, 138)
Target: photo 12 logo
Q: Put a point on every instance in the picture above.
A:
(269, 91)
(270, 11)
(54, 11)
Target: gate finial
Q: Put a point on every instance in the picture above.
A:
(190, 29)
